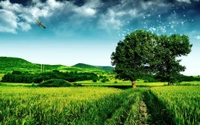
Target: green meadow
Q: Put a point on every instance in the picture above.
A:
(175, 105)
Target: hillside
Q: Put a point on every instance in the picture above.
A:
(82, 65)
(105, 68)
(9, 64)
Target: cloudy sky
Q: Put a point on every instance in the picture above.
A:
(87, 31)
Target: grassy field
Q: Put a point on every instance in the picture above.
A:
(175, 105)
(140, 83)
(21, 105)
(119, 84)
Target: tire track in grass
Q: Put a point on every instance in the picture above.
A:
(120, 114)
(143, 114)
(157, 109)
(138, 114)
(133, 115)
(129, 112)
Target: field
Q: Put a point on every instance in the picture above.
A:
(179, 105)
(100, 105)
(20, 105)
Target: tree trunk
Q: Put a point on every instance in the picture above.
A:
(170, 83)
(134, 84)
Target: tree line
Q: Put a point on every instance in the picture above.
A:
(25, 77)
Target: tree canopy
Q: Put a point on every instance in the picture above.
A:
(143, 53)
(172, 48)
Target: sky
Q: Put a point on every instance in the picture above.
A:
(87, 31)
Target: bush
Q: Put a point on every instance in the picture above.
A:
(55, 83)
(37, 80)
(104, 80)
(17, 72)
(94, 80)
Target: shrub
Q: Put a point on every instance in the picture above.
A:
(94, 80)
(37, 80)
(104, 80)
(55, 83)
(17, 72)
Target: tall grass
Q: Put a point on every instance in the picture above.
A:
(85, 106)
(128, 112)
(181, 102)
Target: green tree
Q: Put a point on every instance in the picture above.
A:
(16, 72)
(171, 48)
(134, 54)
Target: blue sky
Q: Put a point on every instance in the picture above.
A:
(87, 31)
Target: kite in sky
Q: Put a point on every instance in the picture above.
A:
(40, 24)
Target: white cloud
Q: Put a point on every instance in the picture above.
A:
(11, 7)
(133, 12)
(8, 23)
(89, 8)
(85, 11)
(146, 5)
(89, 11)
(186, 1)
(109, 21)
(24, 26)
(94, 3)
(53, 4)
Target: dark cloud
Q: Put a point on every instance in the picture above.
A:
(78, 3)
(196, 6)
(170, 1)
(23, 2)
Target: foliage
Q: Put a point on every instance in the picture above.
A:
(55, 83)
(37, 78)
(149, 78)
(189, 78)
(172, 47)
(104, 79)
(18, 78)
(142, 53)
(134, 54)
(94, 80)
(17, 72)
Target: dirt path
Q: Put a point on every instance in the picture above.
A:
(143, 115)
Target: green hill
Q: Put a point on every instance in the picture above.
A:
(104, 68)
(82, 65)
(9, 64)
(107, 68)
